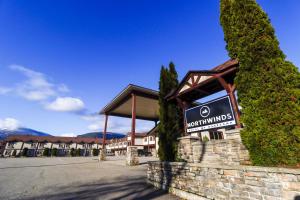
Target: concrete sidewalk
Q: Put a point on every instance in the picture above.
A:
(75, 178)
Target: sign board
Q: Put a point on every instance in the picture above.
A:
(214, 114)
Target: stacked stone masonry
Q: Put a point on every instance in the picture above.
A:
(230, 151)
(205, 181)
(132, 156)
(220, 152)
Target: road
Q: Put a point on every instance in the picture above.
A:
(75, 178)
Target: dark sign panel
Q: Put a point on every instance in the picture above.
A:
(211, 115)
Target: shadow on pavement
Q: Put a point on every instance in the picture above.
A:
(51, 165)
(119, 188)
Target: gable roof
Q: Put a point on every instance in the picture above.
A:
(146, 103)
(201, 83)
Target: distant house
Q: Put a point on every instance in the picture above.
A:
(25, 145)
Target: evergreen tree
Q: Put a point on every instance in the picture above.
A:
(169, 115)
(268, 86)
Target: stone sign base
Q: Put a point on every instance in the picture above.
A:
(101, 155)
(132, 156)
(229, 151)
(185, 149)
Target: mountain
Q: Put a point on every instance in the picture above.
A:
(21, 131)
(27, 131)
(100, 135)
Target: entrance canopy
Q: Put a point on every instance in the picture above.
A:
(133, 102)
(147, 107)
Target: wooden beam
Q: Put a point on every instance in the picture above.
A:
(184, 118)
(193, 79)
(235, 108)
(133, 119)
(198, 79)
(137, 116)
(224, 84)
(201, 91)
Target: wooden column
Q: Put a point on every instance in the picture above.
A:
(133, 118)
(234, 105)
(104, 133)
(184, 119)
(230, 88)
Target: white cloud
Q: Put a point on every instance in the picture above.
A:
(95, 127)
(68, 135)
(66, 104)
(92, 117)
(9, 124)
(4, 90)
(36, 86)
(63, 88)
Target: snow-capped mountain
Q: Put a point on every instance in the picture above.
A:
(21, 131)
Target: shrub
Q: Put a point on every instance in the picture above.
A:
(95, 152)
(14, 153)
(46, 152)
(73, 152)
(169, 128)
(25, 151)
(78, 151)
(268, 86)
(205, 139)
(54, 152)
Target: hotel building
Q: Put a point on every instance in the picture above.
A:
(25, 145)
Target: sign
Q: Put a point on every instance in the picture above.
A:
(214, 114)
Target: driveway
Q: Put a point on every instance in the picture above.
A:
(75, 178)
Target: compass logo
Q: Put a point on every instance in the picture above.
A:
(204, 111)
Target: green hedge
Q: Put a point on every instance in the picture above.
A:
(78, 152)
(54, 152)
(73, 152)
(46, 152)
(95, 152)
(24, 152)
(268, 86)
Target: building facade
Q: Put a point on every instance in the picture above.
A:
(145, 142)
(32, 146)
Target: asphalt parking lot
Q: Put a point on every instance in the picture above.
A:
(75, 178)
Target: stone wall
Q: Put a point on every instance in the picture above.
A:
(220, 152)
(204, 181)
(230, 151)
(185, 149)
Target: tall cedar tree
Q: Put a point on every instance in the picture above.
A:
(268, 86)
(169, 115)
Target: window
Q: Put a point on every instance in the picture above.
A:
(145, 139)
(11, 144)
(151, 138)
(216, 135)
(33, 145)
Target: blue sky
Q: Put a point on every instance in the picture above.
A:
(59, 58)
